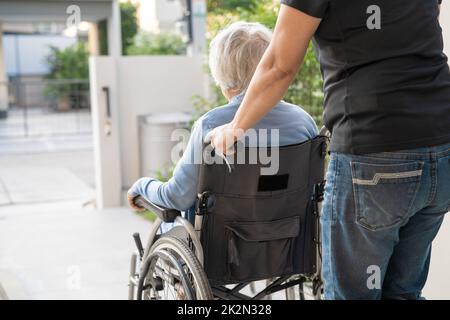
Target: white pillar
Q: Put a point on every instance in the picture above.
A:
(106, 132)
(105, 120)
(198, 26)
(3, 80)
(114, 31)
(93, 40)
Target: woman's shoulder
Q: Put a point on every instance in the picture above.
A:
(218, 116)
(298, 117)
(294, 110)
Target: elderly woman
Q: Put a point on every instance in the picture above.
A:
(234, 55)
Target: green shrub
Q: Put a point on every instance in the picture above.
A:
(157, 44)
(129, 24)
(70, 63)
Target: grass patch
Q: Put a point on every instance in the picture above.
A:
(148, 215)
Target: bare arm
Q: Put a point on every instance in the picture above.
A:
(278, 66)
(274, 74)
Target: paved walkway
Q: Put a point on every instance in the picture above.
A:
(46, 176)
(41, 144)
(61, 250)
(44, 122)
(53, 243)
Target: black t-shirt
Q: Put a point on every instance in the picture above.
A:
(386, 78)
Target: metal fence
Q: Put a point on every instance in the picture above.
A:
(41, 107)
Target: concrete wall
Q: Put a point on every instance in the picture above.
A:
(31, 51)
(138, 85)
(3, 87)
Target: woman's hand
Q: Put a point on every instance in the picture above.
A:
(222, 138)
(132, 204)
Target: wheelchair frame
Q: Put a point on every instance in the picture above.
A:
(221, 291)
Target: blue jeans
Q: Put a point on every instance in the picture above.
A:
(380, 215)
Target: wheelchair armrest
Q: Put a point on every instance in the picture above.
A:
(166, 215)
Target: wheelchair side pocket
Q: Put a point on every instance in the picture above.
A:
(260, 250)
(384, 193)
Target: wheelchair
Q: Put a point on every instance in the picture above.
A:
(255, 236)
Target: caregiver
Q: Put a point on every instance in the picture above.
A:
(387, 105)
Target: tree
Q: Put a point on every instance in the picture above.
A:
(129, 24)
(218, 6)
(157, 44)
(129, 28)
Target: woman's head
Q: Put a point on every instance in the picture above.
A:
(235, 53)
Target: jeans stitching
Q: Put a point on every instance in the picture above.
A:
(433, 176)
(333, 192)
(386, 176)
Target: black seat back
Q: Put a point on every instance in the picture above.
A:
(259, 226)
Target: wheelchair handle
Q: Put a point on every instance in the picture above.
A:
(138, 242)
(166, 215)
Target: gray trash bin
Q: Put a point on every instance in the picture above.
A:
(155, 135)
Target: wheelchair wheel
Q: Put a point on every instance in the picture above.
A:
(173, 273)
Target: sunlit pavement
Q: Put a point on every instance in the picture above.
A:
(53, 243)
(61, 250)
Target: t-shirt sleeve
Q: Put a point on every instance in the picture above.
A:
(315, 8)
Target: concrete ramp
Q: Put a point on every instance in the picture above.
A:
(41, 184)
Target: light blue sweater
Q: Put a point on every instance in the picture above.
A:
(294, 125)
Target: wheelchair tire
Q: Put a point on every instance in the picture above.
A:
(197, 277)
(155, 279)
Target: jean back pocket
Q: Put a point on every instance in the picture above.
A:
(384, 193)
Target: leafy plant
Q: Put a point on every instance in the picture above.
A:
(157, 44)
(129, 24)
(165, 173)
(231, 5)
(67, 65)
(129, 28)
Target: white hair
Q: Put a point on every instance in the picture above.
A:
(235, 53)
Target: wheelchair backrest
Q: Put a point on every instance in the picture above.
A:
(253, 218)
